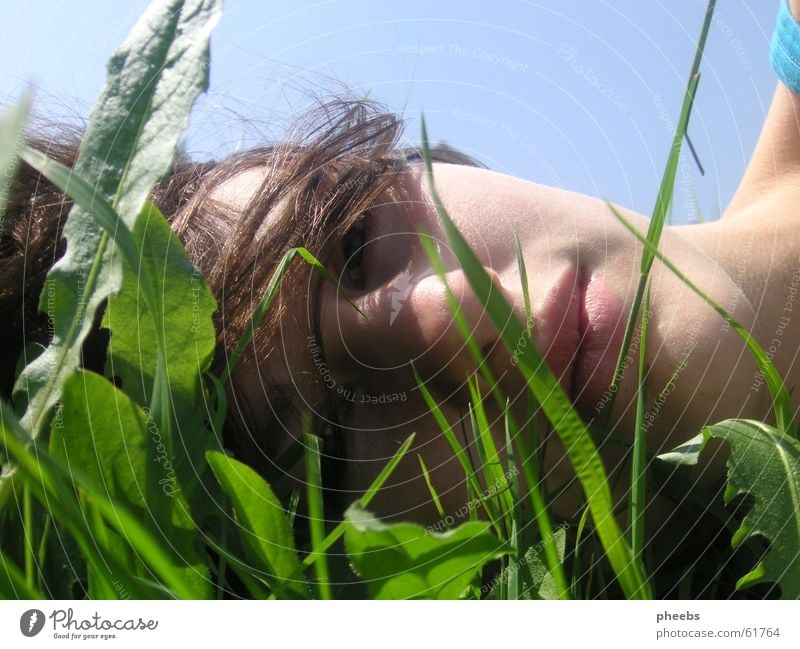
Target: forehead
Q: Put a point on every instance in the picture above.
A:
(235, 193)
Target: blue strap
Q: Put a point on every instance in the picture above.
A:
(785, 50)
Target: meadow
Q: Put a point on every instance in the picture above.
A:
(123, 488)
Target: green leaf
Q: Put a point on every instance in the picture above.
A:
(119, 452)
(535, 580)
(688, 453)
(54, 485)
(765, 464)
(184, 317)
(375, 486)
(316, 509)
(403, 561)
(153, 80)
(264, 530)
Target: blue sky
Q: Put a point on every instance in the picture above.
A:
(576, 94)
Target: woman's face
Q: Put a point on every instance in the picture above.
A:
(582, 271)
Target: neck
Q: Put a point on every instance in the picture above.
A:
(759, 249)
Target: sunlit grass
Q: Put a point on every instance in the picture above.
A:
(224, 532)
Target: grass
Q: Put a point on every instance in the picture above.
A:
(196, 523)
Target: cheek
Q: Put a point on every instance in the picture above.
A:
(702, 371)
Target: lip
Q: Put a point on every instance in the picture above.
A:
(581, 327)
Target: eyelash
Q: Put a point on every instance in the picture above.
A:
(353, 252)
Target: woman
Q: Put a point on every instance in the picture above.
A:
(340, 186)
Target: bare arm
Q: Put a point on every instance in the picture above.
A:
(774, 168)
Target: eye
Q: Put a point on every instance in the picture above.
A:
(353, 244)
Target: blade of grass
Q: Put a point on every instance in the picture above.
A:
(462, 456)
(269, 296)
(576, 561)
(780, 397)
(531, 474)
(365, 500)
(12, 125)
(486, 495)
(242, 569)
(530, 471)
(434, 496)
(533, 461)
(637, 504)
(494, 476)
(512, 587)
(578, 444)
(662, 206)
(29, 534)
(13, 584)
(316, 512)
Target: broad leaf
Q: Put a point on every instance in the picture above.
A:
(404, 561)
(764, 464)
(535, 580)
(118, 449)
(153, 80)
(184, 309)
(263, 527)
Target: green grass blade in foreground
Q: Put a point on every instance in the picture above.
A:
(530, 470)
(434, 496)
(153, 80)
(494, 477)
(636, 506)
(461, 454)
(533, 461)
(56, 490)
(316, 511)
(243, 570)
(578, 444)
(13, 584)
(663, 203)
(365, 500)
(780, 397)
(515, 537)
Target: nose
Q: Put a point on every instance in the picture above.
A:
(427, 328)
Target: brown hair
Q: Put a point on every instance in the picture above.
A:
(336, 162)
